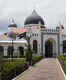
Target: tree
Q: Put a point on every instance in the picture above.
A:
(28, 53)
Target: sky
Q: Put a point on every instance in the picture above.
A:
(52, 11)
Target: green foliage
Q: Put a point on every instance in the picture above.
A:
(12, 68)
(28, 55)
(62, 59)
(36, 58)
(11, 64)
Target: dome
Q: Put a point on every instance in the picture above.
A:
(34, 18)
(12, 23)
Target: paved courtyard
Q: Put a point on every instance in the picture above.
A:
(46, 69)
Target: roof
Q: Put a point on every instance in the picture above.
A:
(15, 41)
(19, 30)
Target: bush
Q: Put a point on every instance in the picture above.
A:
(36, 58)
(13, 68)
(28, 55)
(62, 59)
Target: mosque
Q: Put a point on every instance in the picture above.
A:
(49, 42)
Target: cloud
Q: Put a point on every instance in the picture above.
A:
(52, 11)
(3, 24)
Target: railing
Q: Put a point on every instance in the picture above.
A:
(50, 30)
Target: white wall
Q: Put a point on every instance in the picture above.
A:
(54, 37)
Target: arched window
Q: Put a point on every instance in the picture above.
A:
(1, 50)
(35, 46)
(64, 46)
(21, 51)
(10, 51)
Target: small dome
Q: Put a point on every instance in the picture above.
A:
(12, 23)
(34, 18)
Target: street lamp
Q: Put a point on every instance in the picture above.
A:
(12, 36)
(12, 50)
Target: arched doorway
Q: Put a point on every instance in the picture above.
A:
(48, 48)
(1, 51)
(64, 46)
(35, 46)
(21, 51)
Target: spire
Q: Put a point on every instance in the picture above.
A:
(60, 25)
(12, 23)
(34, 12)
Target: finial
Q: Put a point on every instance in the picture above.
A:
(59, 23)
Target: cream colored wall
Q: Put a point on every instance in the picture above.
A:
(16, 45)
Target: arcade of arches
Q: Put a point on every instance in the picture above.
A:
(50, 48)
(10, 51)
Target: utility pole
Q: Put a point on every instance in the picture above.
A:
(12, 50)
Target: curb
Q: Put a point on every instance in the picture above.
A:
(61, 69)
(22, 73)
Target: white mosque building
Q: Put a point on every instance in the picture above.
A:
(49, 42)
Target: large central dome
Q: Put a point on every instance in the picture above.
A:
(34, 18)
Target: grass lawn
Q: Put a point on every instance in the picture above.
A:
(62, 59)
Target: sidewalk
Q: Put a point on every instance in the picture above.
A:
(46, 69)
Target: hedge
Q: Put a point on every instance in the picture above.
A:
(36, 58)
(13, 68)
(62, 59)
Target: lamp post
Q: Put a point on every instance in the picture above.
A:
(13, 37)
(12, 50)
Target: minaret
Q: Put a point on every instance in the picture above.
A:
(12, 25)
(60, 25)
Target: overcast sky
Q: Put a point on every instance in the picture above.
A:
(52, 11)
